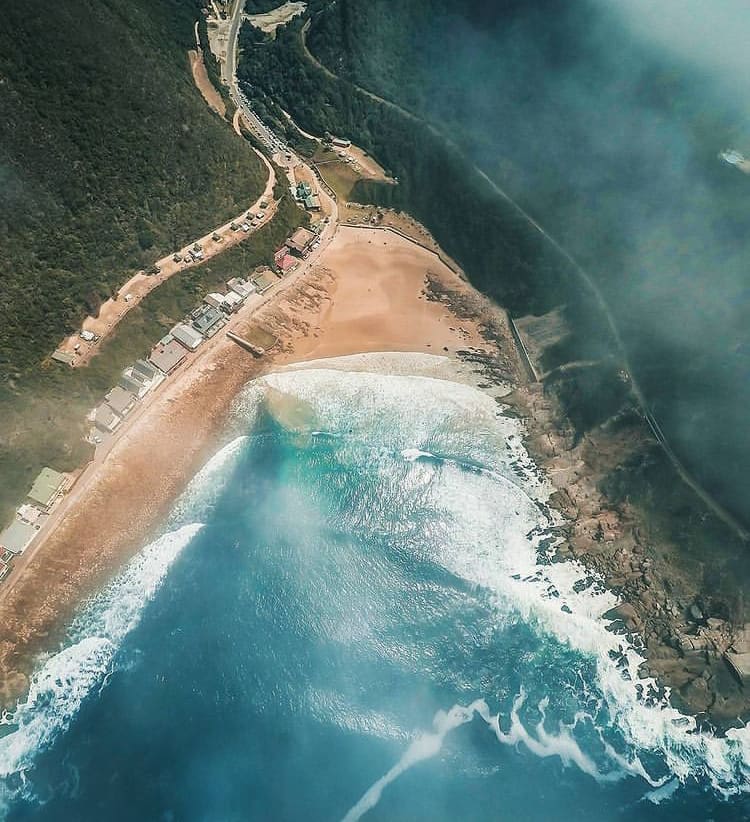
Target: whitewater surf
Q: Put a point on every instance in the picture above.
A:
(353, 613)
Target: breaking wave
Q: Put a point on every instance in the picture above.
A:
(481, 480)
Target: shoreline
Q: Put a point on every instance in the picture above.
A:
(368, 292)
(115, 510)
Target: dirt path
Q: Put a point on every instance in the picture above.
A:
(204, 85)
(141, 284)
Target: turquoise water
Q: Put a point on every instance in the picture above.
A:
(351, 615)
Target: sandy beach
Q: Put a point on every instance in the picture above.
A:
(371, 290)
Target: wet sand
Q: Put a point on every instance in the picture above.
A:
(370, 291)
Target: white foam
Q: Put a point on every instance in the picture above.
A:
(208, 484)
(489, 533)
(425, 746)
(66, 678)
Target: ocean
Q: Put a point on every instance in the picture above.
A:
(351, 614)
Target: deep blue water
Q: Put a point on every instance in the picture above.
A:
(343, 591)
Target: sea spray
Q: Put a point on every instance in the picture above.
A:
(420, 418)
(66, 678)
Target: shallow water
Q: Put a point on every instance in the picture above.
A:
(351, 615)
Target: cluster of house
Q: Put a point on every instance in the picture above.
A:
(295, 248)
(171, 350)
(47, 489)
(306, 196)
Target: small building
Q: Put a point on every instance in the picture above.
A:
(280, 254)
(341, 142)
(167, 357)
(209, 321)
(28, 513)
(145, 370)
(105, 419)
(300, 241)
(64, 357)
(232, 303)
(17, 536)
(130, 383)
(312, 203)
(242, 288)
(287, 264)
(46, 488)
(140, 378)
(302, 191)
(187, 336)
(214, 299)
(120, 401)
(263, 281)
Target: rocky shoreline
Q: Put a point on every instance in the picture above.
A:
(684, 641)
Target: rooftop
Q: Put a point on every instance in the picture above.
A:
(186, 335)
(167, 357)
(208, 319)
(46, 486)
(17, 536)
(120, 400)
(300, 239)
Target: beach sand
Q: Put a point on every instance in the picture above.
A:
(371, 290)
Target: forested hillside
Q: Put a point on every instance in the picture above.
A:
(108, 158)
(614, 150)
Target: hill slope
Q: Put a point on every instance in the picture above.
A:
(108, 157)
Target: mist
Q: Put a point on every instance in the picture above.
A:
(605, 120)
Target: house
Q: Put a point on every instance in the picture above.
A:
(145, 370)
(105, 418)
(303, 191)
(120, 401)
(64, 357)
(16, 537)
(167, 356)
(46, 488)
(28, 513)
(140, 378)
(280, 253)
(300, 241)
(242, 288)
(130, 383)
(287, 264)
(187, 336)
(215, 300)
(232, 302)
(263, 281)
(209, 321)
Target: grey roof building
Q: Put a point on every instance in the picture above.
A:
(187, 336)
(17, 536)
(120, 401)
(209, 321)
(167, 357)
(105, 418)
(144, 368)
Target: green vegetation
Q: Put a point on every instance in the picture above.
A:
(614, 151)
(109, 158)
(43, 412)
